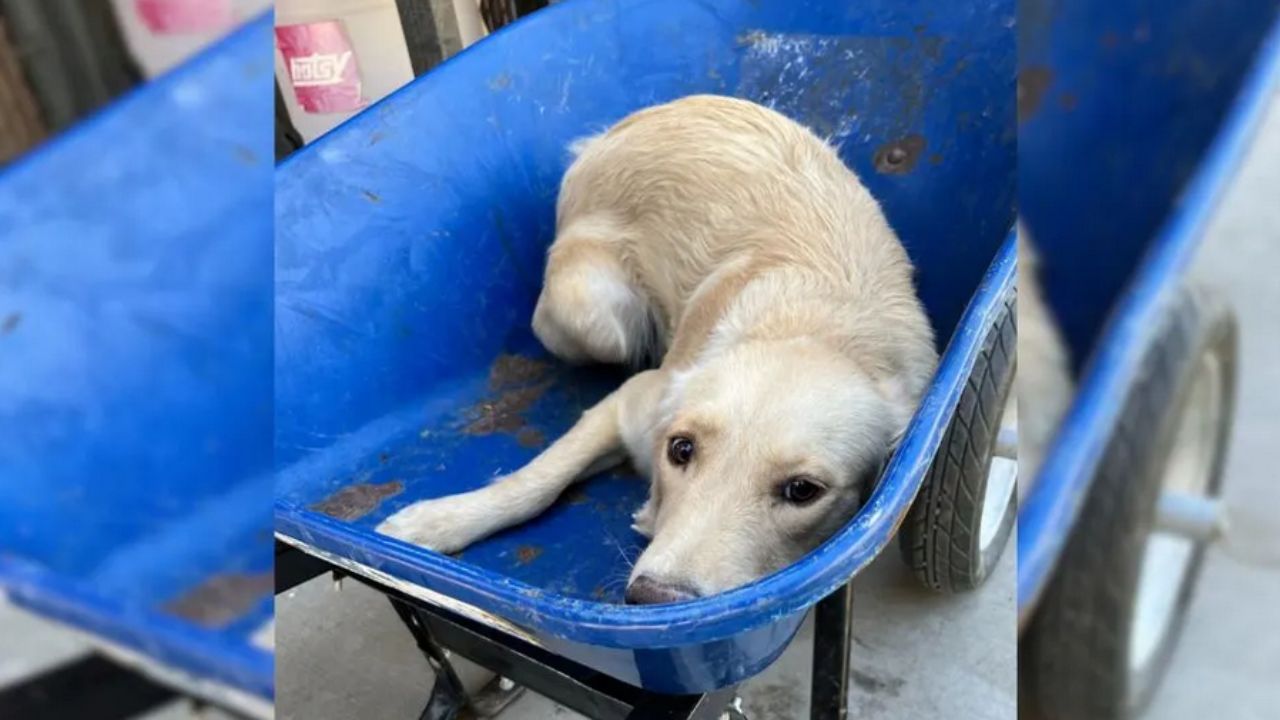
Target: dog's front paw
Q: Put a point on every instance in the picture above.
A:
(441, 524)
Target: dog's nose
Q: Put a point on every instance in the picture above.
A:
(644, 590)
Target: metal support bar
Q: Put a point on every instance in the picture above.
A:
(448, 697)
(494, 697)
(1193, 516)
(93, 686)
(565, 682)
(832, 640)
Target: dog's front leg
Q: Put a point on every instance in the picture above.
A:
(599, 440)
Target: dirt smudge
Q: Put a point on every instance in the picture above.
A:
(876, 685)
(774, 701)
(518, 382)
(505, 413)
(355, 501)
(222, 599)
(531, 438)
(1033, 83)
(900, 156)
(510, 370)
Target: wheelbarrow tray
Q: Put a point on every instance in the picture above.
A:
(410, 244)
(135, 479)
(1161, 101)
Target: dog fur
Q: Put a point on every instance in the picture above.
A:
(1044, 386)
(732, 244)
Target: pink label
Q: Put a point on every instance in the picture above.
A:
(322, 66)
(184, 16)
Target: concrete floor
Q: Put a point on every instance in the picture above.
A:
(345, 654)
(1228, 662)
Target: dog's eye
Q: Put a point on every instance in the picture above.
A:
(800, 490)
(679, 450)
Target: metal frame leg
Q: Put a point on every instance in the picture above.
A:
(521, 665)
(832, 640)
(448, 697)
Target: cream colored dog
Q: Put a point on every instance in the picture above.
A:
(733, 244)
(1045, 388)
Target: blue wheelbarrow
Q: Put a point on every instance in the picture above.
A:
(410, 244)
(135, 389)
(1135, 116)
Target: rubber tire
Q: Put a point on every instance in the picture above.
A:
(939, 539)
(1075, 653)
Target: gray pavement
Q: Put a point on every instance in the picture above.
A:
(1228, 662)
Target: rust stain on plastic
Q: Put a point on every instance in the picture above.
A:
(1033, 83)
(900, 156)
(222, 599)
(510, 370)
(504, 413)
(519, 383)
(528, 553)
(355, 501)
(531, 437)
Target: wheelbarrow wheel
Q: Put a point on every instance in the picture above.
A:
(964, 513)
(1105, 631)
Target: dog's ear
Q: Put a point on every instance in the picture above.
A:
(899, 433)
(900, 419)
(900, 401)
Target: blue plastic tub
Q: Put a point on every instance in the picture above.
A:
(410, 244)
(1139, 113)
(135, 371)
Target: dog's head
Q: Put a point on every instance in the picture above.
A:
(761, 454)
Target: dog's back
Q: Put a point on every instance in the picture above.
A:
(678, 192)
